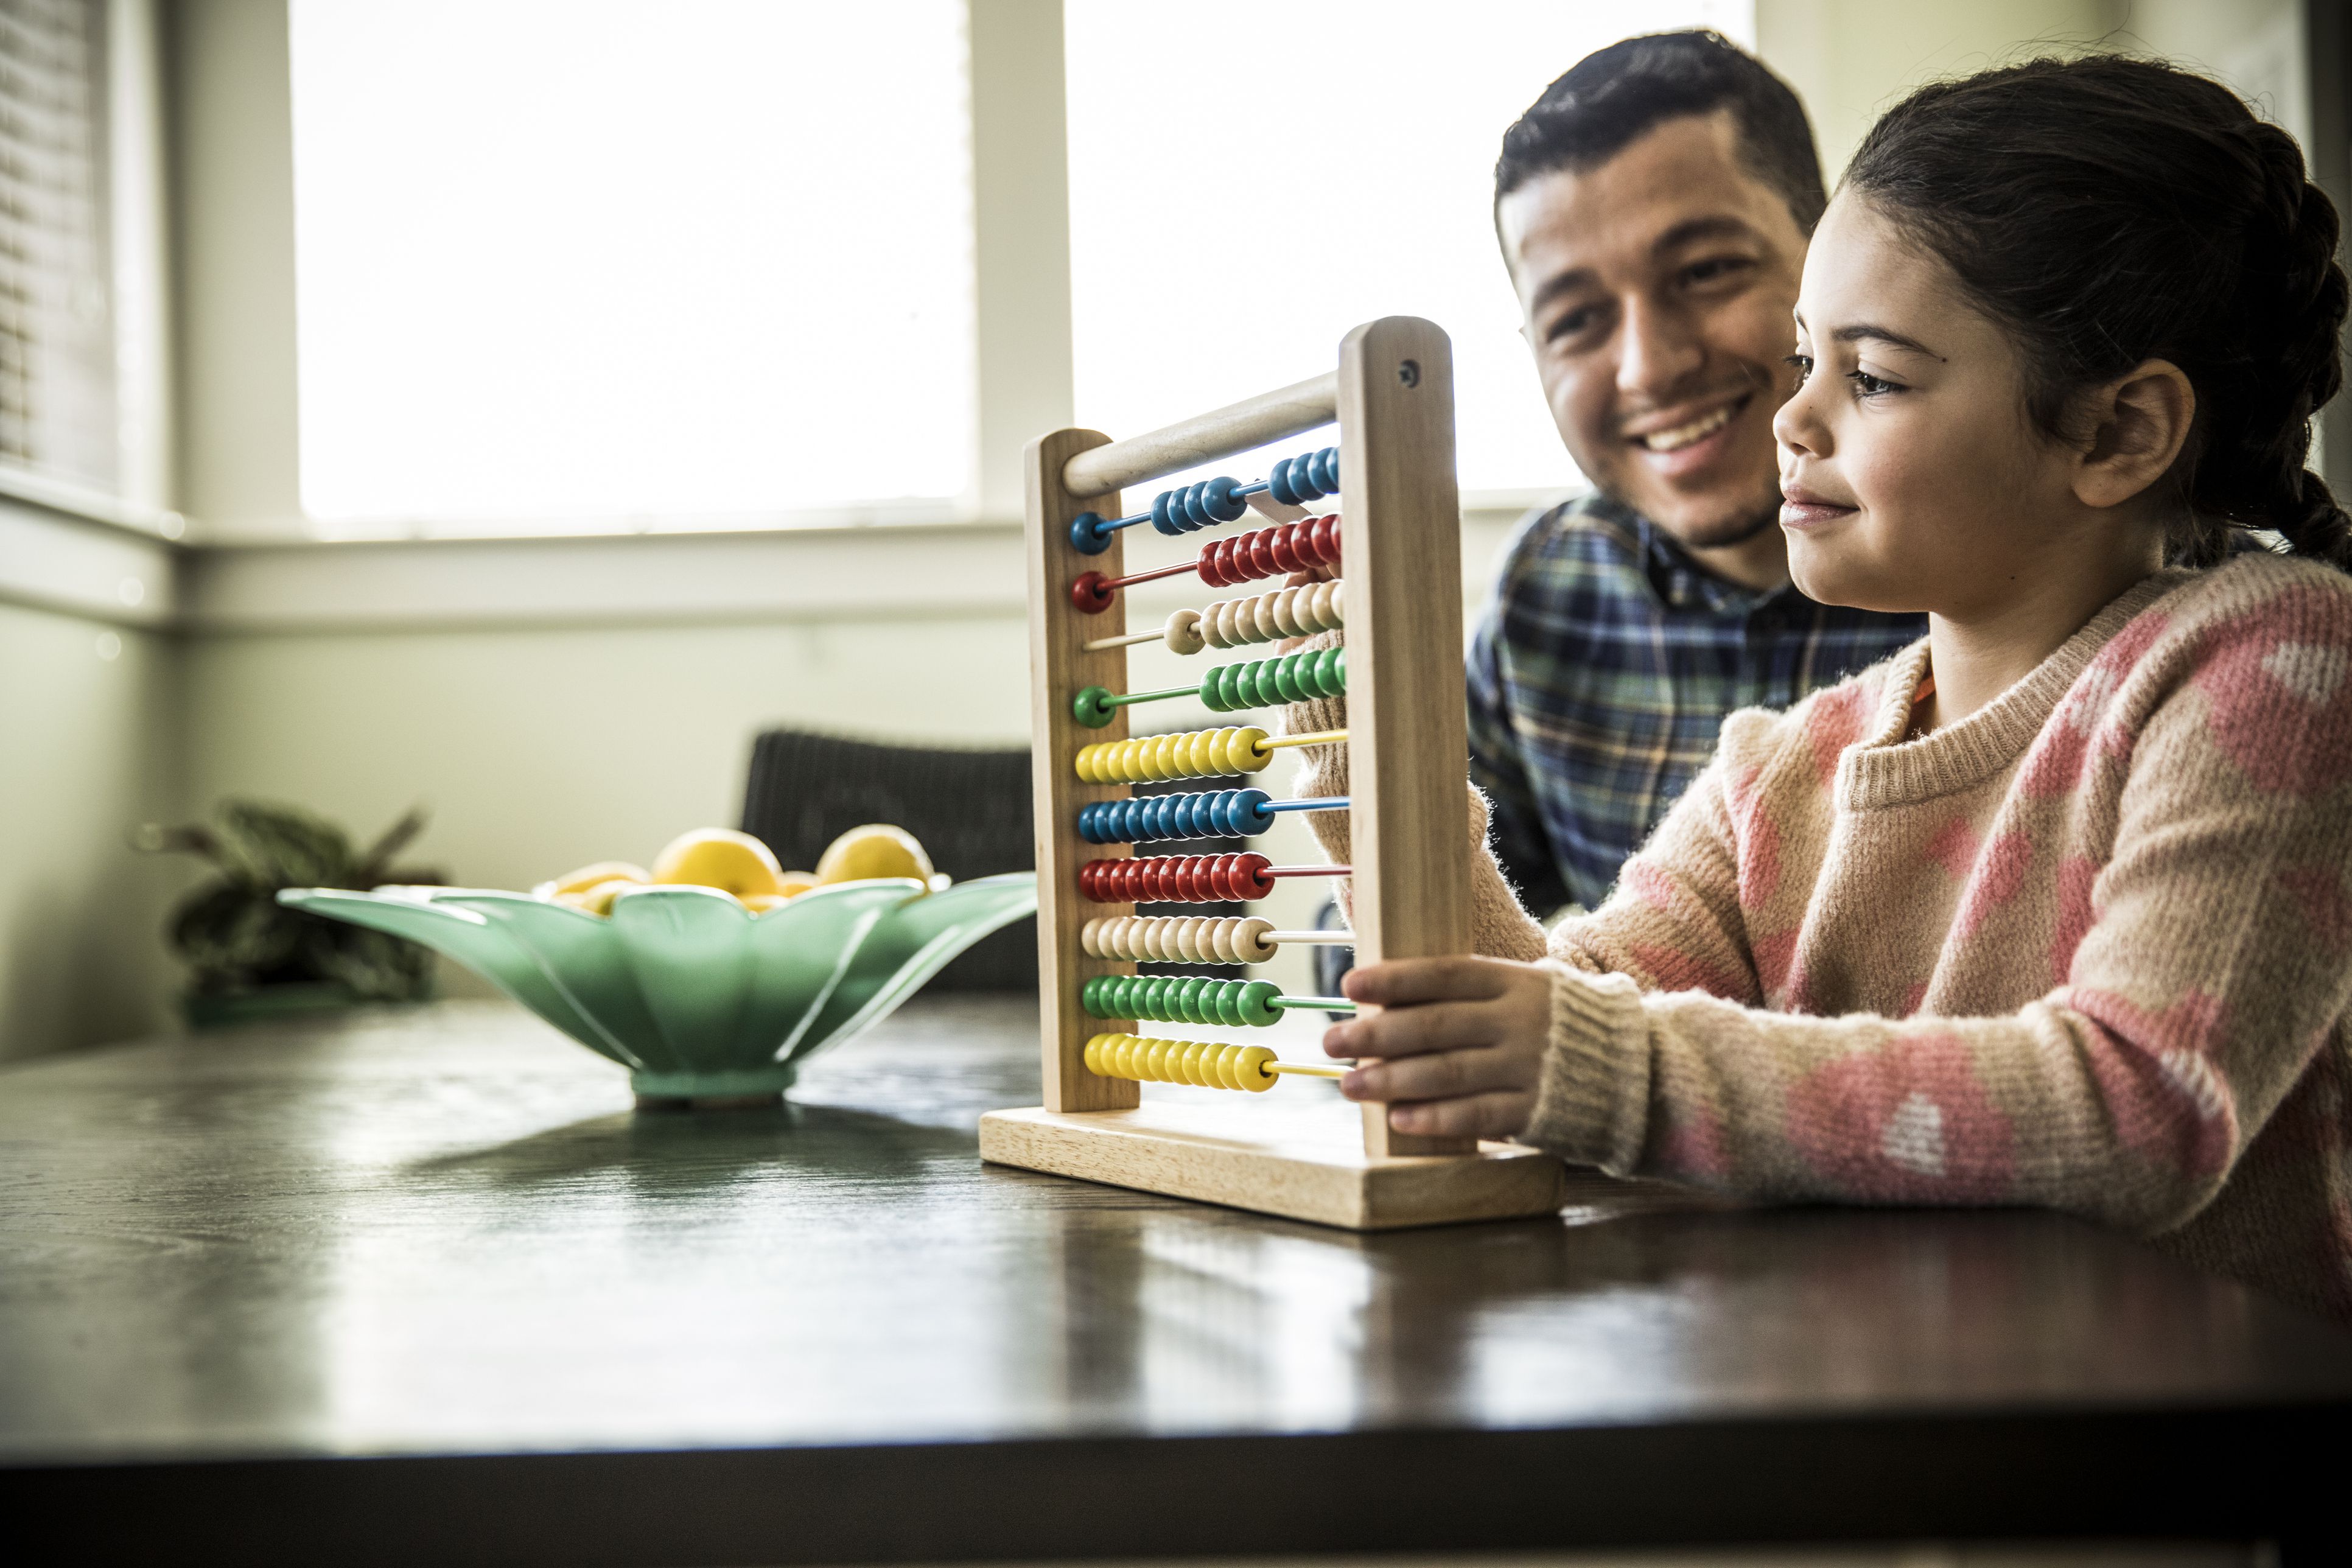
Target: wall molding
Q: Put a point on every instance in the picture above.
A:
(103, 571)
(70, 565)
(664, 579)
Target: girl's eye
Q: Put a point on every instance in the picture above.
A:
(1871, 385)
(1803, 365)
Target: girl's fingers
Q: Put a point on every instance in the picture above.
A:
(1444, 1075)
(1498, 1115)
(1404, 981)
(1411, 1031)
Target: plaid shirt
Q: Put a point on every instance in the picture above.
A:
(1602, 668)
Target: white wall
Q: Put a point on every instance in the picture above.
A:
(89, 747)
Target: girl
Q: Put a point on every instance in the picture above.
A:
(2052, 908)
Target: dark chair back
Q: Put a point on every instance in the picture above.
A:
(970, 808)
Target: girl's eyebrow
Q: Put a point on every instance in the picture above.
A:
(1862, 331)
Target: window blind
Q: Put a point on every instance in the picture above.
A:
(57, 339)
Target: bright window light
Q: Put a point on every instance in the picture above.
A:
(583, 264)
(1250, 180)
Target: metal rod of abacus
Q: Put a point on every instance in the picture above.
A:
(1313, 738)
(1317, 1003)
(1310, 938)
(1310, 803)
(1108, 701)
(1153, 575)
(1307, 871)
(1307, 1069)
(1156, 635)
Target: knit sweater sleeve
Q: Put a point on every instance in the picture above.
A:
(1674, 922)
(2211, 959)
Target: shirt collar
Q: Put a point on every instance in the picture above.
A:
(1679, 582)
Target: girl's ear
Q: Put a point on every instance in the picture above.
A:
(2138, 425)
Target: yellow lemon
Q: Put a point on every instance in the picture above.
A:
(587, 877)
(877, 849)
(798, 882)
(598, 899)
(719, 857)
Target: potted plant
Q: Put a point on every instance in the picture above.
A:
(247, 955)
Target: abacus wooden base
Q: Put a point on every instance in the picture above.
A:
(1297, 1163)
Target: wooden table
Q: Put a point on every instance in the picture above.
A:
(421, 1288)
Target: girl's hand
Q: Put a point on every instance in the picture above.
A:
(1460, 1043)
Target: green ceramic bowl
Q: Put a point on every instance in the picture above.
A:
(697, 996)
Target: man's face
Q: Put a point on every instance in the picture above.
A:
(1657, 288)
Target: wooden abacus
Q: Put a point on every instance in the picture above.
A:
(1400, 600)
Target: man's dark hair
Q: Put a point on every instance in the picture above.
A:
(1613, 96)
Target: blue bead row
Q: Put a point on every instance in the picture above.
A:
(1196, 507)
(1294, 482)
(1201, 813)
(1297, 481)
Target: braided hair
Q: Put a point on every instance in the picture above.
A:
(2108, 211)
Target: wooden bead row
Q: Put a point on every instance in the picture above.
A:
(1198, 754)
(1297, 611)
(1147, 1060)
(1199, 939)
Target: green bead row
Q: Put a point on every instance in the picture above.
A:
(1181, 999)
(1263, 682)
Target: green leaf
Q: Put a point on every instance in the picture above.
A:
(378, 855)
(286, 847)
(233, 937)
(378, 967)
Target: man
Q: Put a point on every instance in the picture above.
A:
(1653, 207)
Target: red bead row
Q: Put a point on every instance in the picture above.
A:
(1175, 879)
(1289, 547)
(1245, 558)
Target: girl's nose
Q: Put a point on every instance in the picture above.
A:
(1796, 428)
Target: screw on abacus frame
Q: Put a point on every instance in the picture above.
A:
(1408, 373)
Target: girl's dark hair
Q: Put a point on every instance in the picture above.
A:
(2108, 211)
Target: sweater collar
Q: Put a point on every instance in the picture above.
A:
(1882, 769)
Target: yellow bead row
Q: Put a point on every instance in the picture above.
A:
(1181, 1061)
(1199, 754)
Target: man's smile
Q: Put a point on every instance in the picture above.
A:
(1674, 437)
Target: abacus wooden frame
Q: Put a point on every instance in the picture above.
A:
(1393, 397)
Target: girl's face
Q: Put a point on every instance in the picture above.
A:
(1911, 476)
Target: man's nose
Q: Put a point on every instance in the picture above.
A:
(1658, 351)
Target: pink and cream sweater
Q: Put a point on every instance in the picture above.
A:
(2088, 948)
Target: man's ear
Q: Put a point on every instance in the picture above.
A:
(2138, 424)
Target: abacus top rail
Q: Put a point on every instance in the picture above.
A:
(1205, 438)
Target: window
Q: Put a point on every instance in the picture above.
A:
(567, 264)
(1248, 181)
(57, 414)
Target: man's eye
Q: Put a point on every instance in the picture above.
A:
(1803, 365)
(1713, 268)
(1570, 325)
